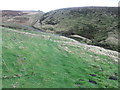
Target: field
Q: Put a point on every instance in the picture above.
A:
(42, 60)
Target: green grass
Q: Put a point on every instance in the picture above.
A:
(34, 62)
(0, 58)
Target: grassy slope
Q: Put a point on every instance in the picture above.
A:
(35, 61)
(0, 57)
(100, 24)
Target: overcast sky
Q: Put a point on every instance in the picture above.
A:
(47, 5)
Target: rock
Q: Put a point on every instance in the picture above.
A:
(91, 81)
(93, 74)
(113, 78)
(80, 38)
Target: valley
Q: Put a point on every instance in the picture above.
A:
(64, 48)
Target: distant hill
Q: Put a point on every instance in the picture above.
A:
(12, 13)
(99, 24)
(20, 19)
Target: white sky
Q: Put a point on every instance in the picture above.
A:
(47, 5)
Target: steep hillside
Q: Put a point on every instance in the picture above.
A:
(38, 60)
(99, 24)
(19, 19)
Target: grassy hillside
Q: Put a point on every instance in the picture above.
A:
(99, 24)
(0, 58)
(39, 60)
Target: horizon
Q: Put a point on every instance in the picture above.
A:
(49, 5)
(60, 8)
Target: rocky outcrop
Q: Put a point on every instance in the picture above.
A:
(81, 39)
